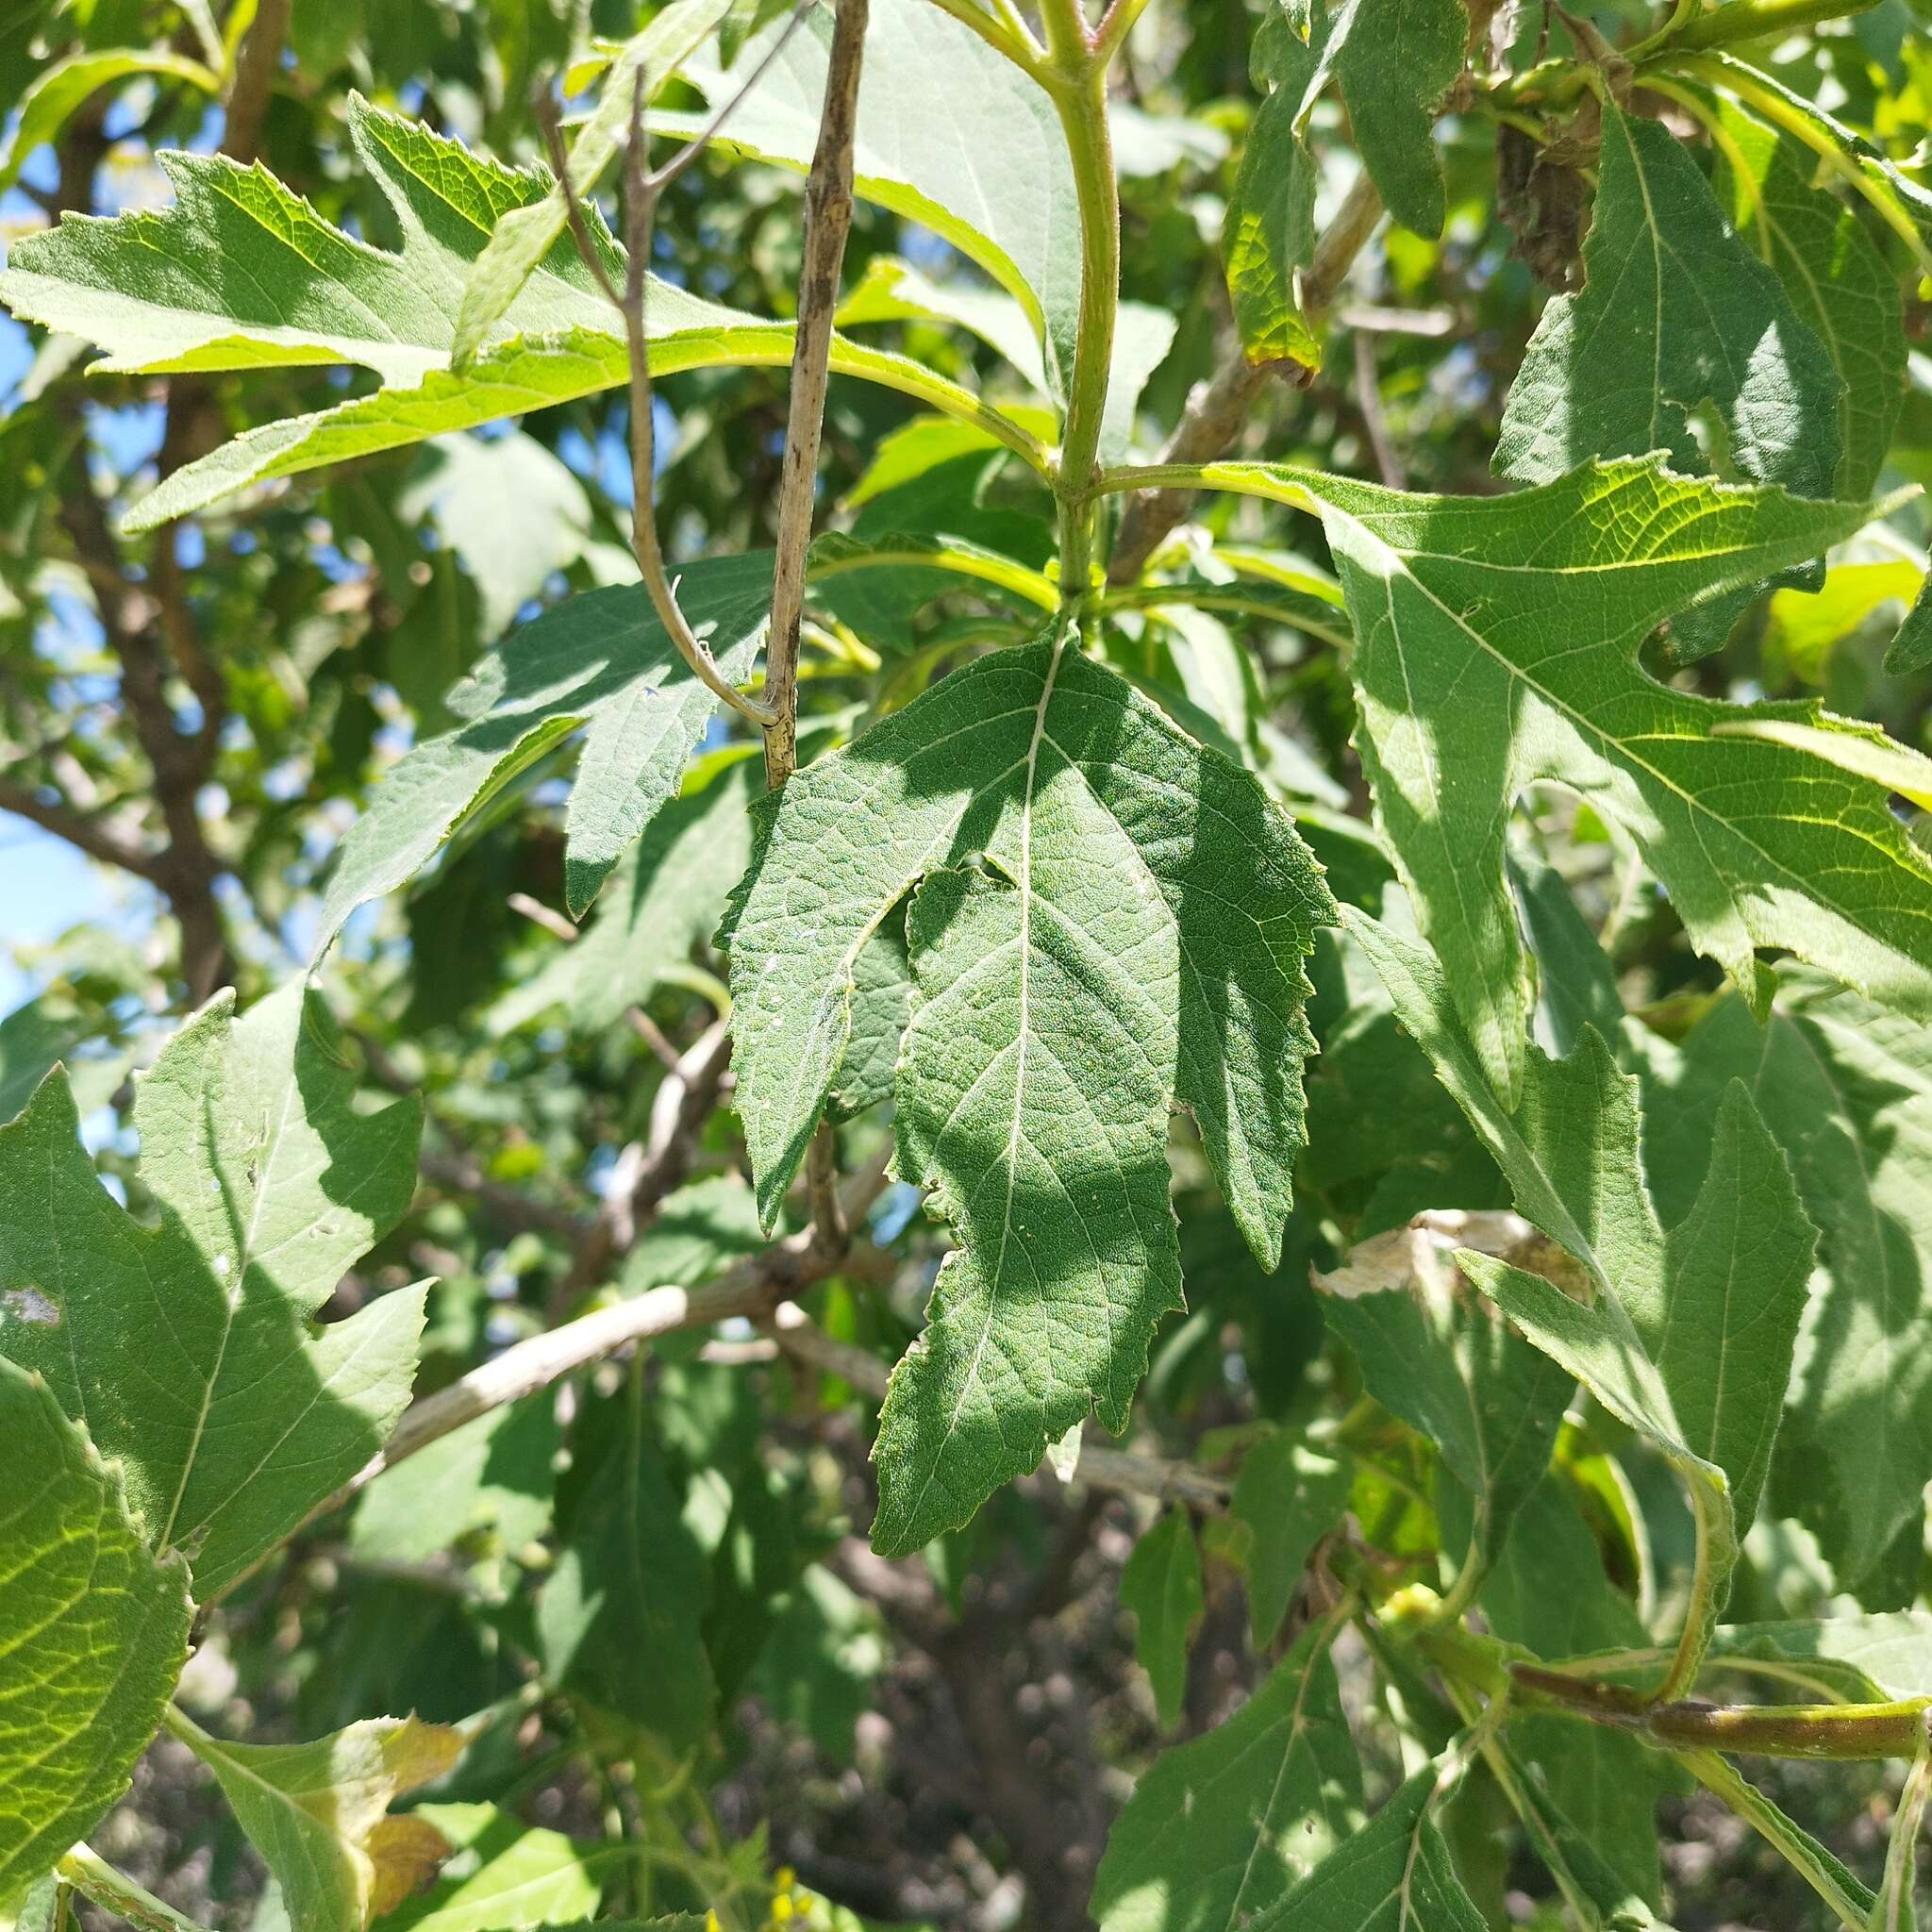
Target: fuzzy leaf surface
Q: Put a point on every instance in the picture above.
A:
(1133, 938)
(188, 1349)
(94, 1629)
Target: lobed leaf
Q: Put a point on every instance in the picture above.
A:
(241, 273)
(1133, 938)
(599, 663)
(188, 1349)
(1497, 646)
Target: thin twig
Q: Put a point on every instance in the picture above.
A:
(827, 220)
(640, 208)
(661, 177)
(1368, 395)
(552, 921)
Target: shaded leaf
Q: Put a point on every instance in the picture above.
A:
(618, 1617)
(1288, 1497)
(1161, 1584)
(1441, 1360)
(600, 663)
(188, 1348)
(1223, 1827)
(1674, 312)
(1846, 1088)
(94, 1631)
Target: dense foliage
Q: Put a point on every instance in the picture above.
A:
(1221, 741)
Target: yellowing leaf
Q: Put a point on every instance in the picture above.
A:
(318, 1813)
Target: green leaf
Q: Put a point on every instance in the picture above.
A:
(1135, 937)
(882, 1001)
(1911, 649)
(1288, 1497)
(1863, 750)
(1445, 1364)
(600, 663)
(1160, 1583)
(1895, 1909)
(1269, 231)
(525, 236)
(1856, 1659)
(213, 281)
(1688, 1336)
(1708, 1311)
(188, 1348)
(1846, 1088)
(1674, 312)
(1576, 985)
(1832, 273)
(241, 273)
(697, 1230)
(94, 1629)
(1548, 1592)
(318, 1813)
(1219, 1828)
(1737, 1268)
(60, 88)
(665, 895)
(1393, 1875)
(1525, 613)
(510, 511)
(949, 134)
(1597, 1345)
(491, 1478)
(506, 1874)
(617, 1620)
(1391, 100)
(1901, 203)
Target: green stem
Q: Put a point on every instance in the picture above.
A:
(1751, 20)
(1077, 80)
(114, 1892)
